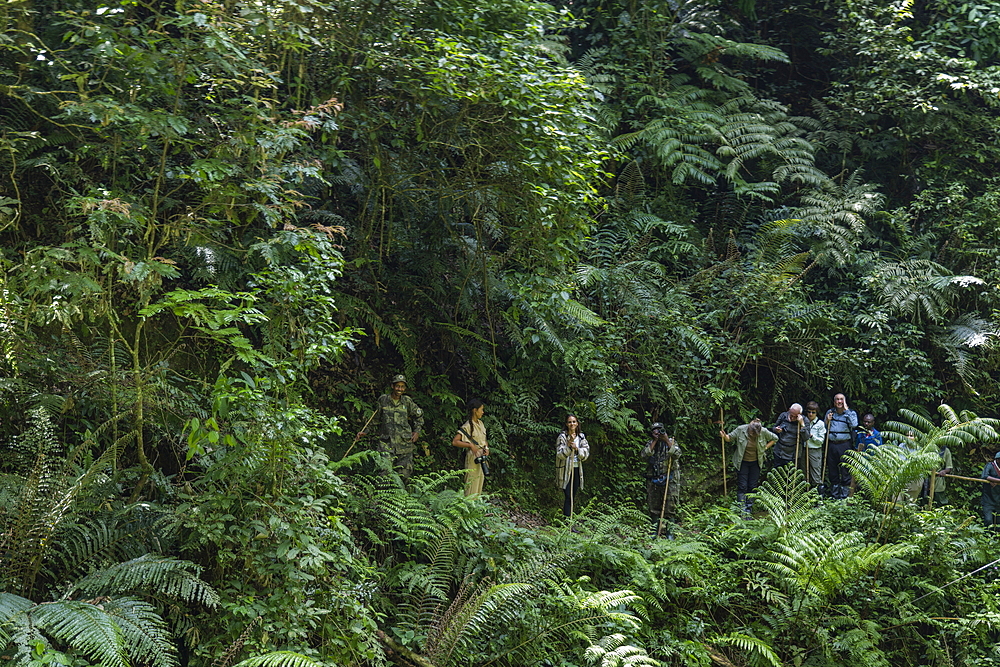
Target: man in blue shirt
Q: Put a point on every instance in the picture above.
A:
(868, 435)
(840, 424)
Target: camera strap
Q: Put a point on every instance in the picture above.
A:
(471, 439)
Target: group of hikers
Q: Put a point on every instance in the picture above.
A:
(815, 444)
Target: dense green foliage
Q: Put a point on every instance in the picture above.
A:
(224, 226)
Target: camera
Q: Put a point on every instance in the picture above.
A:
(657, 431)
(481, 460)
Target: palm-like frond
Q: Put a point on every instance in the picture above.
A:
(955, 429)
(704, 143)
(919, 289)
(835, 219)
(97, 539)
(960, 339)
(485, 605)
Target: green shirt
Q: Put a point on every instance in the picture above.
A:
(400, 420)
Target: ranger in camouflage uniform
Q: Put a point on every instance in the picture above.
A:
(401, 420)
(662, 453)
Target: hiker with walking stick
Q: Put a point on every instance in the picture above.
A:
(752, 440)
(793, 432)
(401, 421)
(991, 493)
(840, 422)
(572, 449)
(935, 486)
(663, 485)
(813, 466)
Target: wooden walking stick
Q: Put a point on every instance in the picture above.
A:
(967, 479)
(666, 490)
(358, 436)
(722, 442)
(930, 491)
(826, 452)
(572, 473)
(798, 431)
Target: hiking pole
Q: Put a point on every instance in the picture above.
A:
(666, 490)
(967, 479)
(722, 442)
(798, 431)
(826, 452)
(930, 493)
(358, 436)
(572, 474)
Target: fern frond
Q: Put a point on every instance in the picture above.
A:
(159, 575)
(789, 500)
(128, 632)
(612, 651)
(750, 646)
(142, 630)
(821, 564)
(280, 659)
(885, 471)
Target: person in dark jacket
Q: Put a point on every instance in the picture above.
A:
(792, 430)
(991, 493)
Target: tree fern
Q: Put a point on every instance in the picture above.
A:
(956, 428)
(705, 142)
(917, 289)
(960, 339)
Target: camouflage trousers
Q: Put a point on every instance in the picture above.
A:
(654, 499)
(400, 454)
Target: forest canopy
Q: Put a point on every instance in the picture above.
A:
(225, 226)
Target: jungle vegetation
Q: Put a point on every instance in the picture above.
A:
(225, 224)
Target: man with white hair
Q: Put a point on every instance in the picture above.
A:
(793, 434)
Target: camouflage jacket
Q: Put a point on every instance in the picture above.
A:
(656, 453)
(399, 419)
